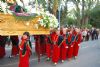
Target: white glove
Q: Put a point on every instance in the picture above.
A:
(78, 44)
(21, 49)
(71, 45)
(66, 47)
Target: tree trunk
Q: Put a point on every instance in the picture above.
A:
(83, 5)
(55, 7)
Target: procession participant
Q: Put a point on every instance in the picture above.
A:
(64, 47)
(25, 50)
(61, 30)
(92, 33)
(97, 35)
(36, 37)
(71, 39)
(48, 47)
(88, 35)
(49, 43)
(56, 49)
(2, 45)
(42, 45)
(37, 46)
(77, 43)
(84, 33)
(15, 48)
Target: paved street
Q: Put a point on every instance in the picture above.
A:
(89, 56)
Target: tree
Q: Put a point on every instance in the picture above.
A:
(95, 16)
(64, 13)
(55, 7)
(77, 11)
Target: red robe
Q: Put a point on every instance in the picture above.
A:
(56, 50)
(70, 46)
(15, 49)
(42, 45)
(77, 42)
(48, 47)
(2, 46)
(63, 49)
(36, 44)
(24, 59)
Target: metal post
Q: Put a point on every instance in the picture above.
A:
(59, 13)
(59, 17)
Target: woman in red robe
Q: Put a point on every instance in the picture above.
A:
(25, 50)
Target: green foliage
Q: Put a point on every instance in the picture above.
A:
(43, 2)
(89, 26)
(3, 0)
(1, 9)
(9, 4)
(95, 16)
(69, 21)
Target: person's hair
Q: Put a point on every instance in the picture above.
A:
(28, 34)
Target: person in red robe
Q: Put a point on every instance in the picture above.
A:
(2, 45)
(56, 47)
(15, 49)
(25, 50)
(63, 47)
(42, 45)
(48, 47)
(71, 39)
(77, 43)
(49, 44)
(36, 37)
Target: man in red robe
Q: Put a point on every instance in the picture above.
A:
(77, 43)
(15, 42)
(2, 45)
(25, 50)
(63, 47)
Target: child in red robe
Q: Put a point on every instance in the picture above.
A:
(25, 50)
